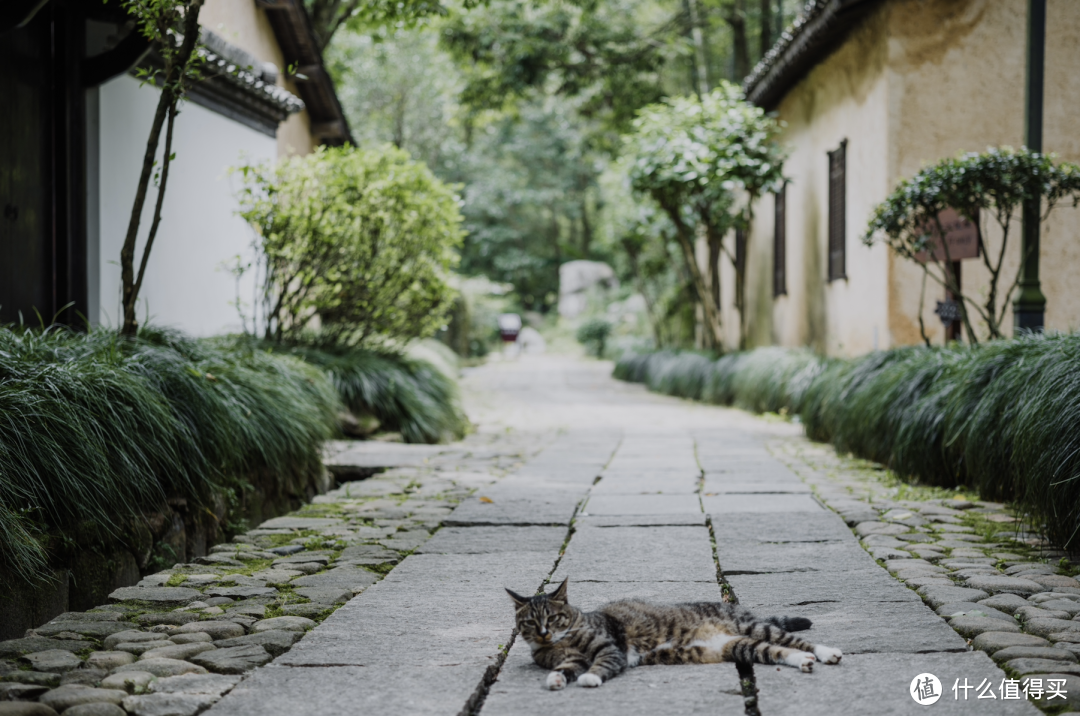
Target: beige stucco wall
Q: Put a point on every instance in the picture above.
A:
(843, 97)
(956, 76)
(918, 81)
(245, 25)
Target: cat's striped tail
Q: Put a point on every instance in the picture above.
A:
(790, 623)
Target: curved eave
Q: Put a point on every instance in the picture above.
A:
(822, 27)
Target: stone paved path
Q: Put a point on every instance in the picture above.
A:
(629, 495)
(385, 596)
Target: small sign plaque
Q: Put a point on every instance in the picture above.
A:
(961, 235)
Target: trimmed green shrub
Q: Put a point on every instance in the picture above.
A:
(363, 240)
(407, 395)
(96, 427)
(1000, 418)
(593, 334)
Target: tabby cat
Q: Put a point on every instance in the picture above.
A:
(593, 647)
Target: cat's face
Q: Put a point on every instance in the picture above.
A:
(544, 619)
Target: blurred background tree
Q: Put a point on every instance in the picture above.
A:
(523, 105)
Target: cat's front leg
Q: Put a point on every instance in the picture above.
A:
(556, 681)
(608, 663)
(566, 671)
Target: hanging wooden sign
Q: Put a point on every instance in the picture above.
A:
(961, 235)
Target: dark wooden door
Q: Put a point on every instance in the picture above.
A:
(26, 222)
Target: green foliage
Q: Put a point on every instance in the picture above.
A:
(993, 184)
(391, 92)
(530, 200)
(512, 49)
(691, 154)
(406, 395)
(97, 427)
(593, 334)
(998, 418)
(361, 240)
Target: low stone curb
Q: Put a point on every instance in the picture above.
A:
(182, 638)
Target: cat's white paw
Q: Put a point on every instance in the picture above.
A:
(590, 680)
(828, 655)
(802, 659)
(556, 681)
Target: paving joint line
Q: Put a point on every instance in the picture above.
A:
(745, 670)
(475, 702)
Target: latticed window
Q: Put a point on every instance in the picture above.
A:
(837, 209)
(780, 243)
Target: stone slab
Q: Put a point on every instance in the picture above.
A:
(878, 684)
(667, 482)
(352, 578)
(935, 596)
(440, 688)
(872, 627)
(91, 629)
(760, 557)
(28, 645)
(517, 507)
(157, 595)
(638, 554)
(654, 504)
(487, 540)
(455, 605)
(813, 526)
(857, 586)
(299, 523)
(724, 504)
(693, 689)
(673, 520)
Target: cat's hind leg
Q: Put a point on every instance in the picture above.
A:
(827, 654)
(772, 634)
(749, 650)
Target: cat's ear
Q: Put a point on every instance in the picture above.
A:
(519, 601)
(559, 595)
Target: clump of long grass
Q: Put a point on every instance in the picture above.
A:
(97, 428)
(405, 394)
(1000, 417)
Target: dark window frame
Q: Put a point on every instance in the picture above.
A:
(838, 212)
(780, 242)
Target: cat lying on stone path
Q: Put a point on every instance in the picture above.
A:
(593, 647)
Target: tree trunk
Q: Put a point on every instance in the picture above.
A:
(716, 243)
(650, 306)
(685, 235)
(586, 228)
(766, 27)
(735, 17)
(170, 94)
(699, 66)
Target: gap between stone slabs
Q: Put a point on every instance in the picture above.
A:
(418, 640)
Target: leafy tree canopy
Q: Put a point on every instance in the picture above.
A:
(703, 160)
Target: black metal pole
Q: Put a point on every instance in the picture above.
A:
(1029, 308)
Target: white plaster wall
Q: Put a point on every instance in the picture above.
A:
(187, 285)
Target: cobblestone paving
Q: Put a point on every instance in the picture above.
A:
(385, 596)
